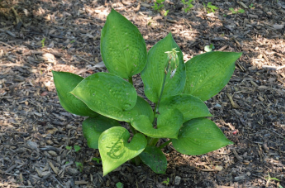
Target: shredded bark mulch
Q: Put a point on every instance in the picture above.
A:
(37, 36)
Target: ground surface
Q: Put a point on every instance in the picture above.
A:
(35, 129)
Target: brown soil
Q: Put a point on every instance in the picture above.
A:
(35, 129)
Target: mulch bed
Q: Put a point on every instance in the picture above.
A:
(39, 36)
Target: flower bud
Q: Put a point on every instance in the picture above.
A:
(173, 61)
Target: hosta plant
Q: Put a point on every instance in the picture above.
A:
(176, 89)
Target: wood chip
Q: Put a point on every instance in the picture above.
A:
(242, 4)
(55, 169)
(277, 26)
(81, 182)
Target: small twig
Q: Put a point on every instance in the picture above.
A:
(237, 42)
(18, 19)
(233, 103)
(57, 181)
(171, 21)
(222, 48)
(259, 176)
(10, 33)
(242, 4)
(236, 155)
(240, 66)
(5, 28)
(6, 44)
(11, 168)
(275, 133)
(82, 59)
(273, 67)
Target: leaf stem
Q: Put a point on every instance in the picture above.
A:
(164, 144)
(164, 79)
(152, 141)
(137, 160)
(134, 131)
(131, 80)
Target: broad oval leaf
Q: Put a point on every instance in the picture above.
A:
(64, 83)
(123, 48)
(191, 107)
(93, 127)
(153, 74)
(141, 108)
(208, 73)
(115, 149)
(199, 136)
(107, 94)
(155, 159)
(168, 124)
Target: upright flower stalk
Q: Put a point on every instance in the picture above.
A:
(172, 65)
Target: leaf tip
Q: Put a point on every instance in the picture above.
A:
(240, 54)
(105, 173)
(230, 142)
(54, 72)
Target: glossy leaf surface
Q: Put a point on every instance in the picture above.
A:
(155, 159)
(115, 149)
(93, 127)
(141, 108)
(208, 73)
(168, 124)
(191, 107)
(199, 136)
(64, 83)
(107, 94)
(123, 48)
(154, 72)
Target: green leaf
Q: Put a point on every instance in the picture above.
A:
(208, 73)
(166, 182)
(191, 107)
(241, 11)
(276, 179)
(155, 159)
(68, 147)
(212, 7)
(96, 159)
(79, 165)
(119, 185)
(153, 74)
(232, 10)
(199, 136)
(93, 127)
(168, 124)
(115, 149)
(77, 148)
(141, 108)
(123, 48)
(107, 94)
(64, 83)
